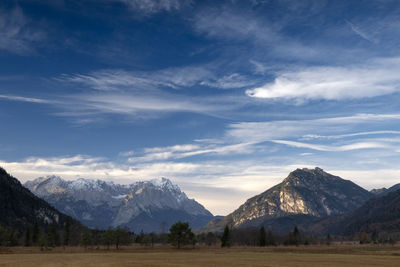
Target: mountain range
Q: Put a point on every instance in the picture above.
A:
(149, 206)
(317, 202)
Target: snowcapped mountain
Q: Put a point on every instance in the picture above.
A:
(149, 205)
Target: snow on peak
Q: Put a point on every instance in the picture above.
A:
(164, 183)
(50, 179)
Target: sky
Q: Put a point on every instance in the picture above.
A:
(224, 98)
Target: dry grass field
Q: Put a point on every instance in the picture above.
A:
(335, 255)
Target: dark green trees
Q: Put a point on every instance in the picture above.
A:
(66, 235)
(180, 235)
(121, 237)
(35, 233)
(27, 241)
(86, 238)
(107, 238)
(262, 241)
(225, 239)
(293, 238)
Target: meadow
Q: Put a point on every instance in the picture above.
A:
(333, 255)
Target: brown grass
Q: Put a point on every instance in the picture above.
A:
(336, 255)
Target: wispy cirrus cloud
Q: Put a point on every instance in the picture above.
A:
(263, 131)
(374, 78)
(154, 6)
(361, 33)
(25, 99)
(176, 78)
(340, 148)
(338, 134)
(107, 80)
(191, 150)
(146, 94)
(17, 35)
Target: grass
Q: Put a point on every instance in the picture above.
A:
(335, 255)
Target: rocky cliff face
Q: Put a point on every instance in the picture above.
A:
(308, 192)
(149, 206)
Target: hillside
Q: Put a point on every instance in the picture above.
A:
(304, 196)
(19, 208)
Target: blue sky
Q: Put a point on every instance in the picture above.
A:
(225, 98)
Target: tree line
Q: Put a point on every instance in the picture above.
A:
(180, 235)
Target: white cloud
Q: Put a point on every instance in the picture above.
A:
(234, 80)
(353, 146)
(225, 23)
(106, 80)
(189, 150)
(329, 130)
(176, 78)
(361, 33)
(375, 78)
(339, 136)
(154, 6)
(25, 99)
(266, 35)
(143, 94)
(127, 153)
(136, 104)
(16, 33)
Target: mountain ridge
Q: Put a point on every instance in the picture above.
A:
(309, 192)
(138, 206)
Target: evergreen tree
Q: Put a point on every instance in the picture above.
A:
(296, 236)
(53, 239)
(107, 238)
(121, 237)
(328, 239)
(27, 242)
(262, 237)
(180, 234)
(11, 238)
(374, 236)
(35, 233)
(66, 236)
(42, 239)
(2, 236)
(86, 238)
(225, 239)
(270, 241)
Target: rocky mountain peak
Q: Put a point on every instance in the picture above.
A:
(306, 192)
(164, 183)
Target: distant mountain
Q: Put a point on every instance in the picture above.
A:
(384, 191)
(149, 206)
(19, 208)
(304, 196)
(380, 214)
(378, 191)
